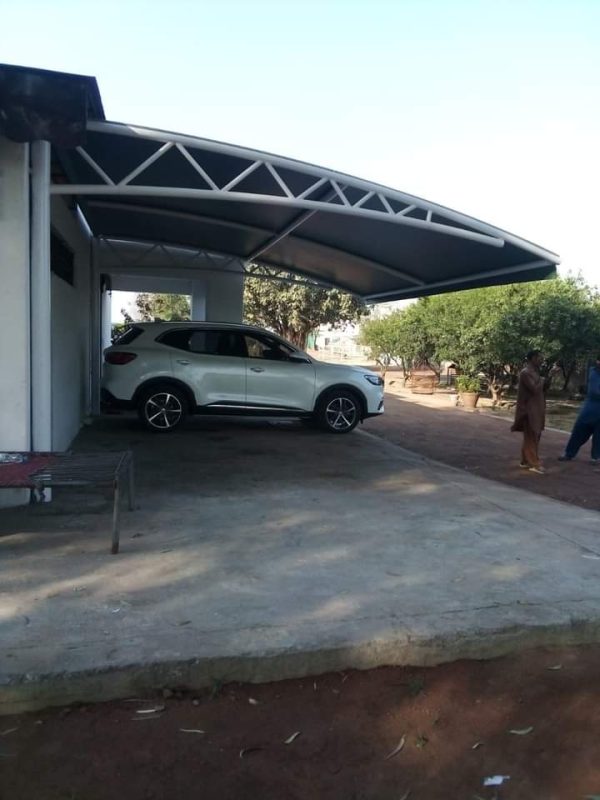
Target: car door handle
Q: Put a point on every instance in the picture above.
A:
(182, 361)
(257, 369)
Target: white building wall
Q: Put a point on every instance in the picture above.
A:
(15, 431)
(224, 301)
(71, 328)
(214, 297)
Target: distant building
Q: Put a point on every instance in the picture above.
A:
(341, 344)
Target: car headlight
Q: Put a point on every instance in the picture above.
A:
(374, 379)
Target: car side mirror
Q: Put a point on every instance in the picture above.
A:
(299, 359)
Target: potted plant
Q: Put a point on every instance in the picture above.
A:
(468, 389)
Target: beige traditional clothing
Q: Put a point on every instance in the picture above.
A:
(530, 413)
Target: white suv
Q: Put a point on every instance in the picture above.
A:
(169, 370)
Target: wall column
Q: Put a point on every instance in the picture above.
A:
(15, 417)
(224, 297)
(198, 311)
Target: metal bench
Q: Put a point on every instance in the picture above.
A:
(40, 471)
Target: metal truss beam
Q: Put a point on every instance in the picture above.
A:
(305, 278)
(320, 176)
(294, 225)
(346, 195)
(255, 256)
(183, 259)
(112, 190)
(497, 273)
(137, 252)
(262, 179)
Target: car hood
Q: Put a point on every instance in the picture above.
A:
(343, 368)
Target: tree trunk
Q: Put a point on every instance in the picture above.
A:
(496, 390)
(567, 374)
(297, 336)
(436, 370)
(383, 368)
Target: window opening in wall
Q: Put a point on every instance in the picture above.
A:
(62, 259)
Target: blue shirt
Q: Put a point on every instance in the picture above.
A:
(590, 410)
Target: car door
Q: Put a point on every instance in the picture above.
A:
(277, 376)
(211, 362)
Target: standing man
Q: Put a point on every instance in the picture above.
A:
(588, 422)
(530, 411)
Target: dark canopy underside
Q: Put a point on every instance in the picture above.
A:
(152, 186)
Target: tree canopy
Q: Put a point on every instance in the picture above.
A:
(294, 311)
(488, 331)
(404, 337)
(167, 307)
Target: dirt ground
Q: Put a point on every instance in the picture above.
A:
(535, 718)
(559, 414)
(483, 444)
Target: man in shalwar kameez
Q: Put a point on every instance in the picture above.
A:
(530, 411)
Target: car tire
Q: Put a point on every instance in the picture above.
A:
(162, 408)
(339, 411)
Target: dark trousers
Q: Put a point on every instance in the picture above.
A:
(581, 433)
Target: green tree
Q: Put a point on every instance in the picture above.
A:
(151, 307)
(403, 337)
(294, 311)
(469, 329)
(488, 331)
(167, 307)
(560, 317)
(380, 336)
(417, 336)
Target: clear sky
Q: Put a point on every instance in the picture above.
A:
(491, 107)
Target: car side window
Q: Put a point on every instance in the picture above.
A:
(267, 348)
(216, 343)
(205, 341)
(177, 338)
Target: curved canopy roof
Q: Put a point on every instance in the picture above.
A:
(137, 185)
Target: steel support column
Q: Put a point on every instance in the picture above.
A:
(41, 299)
(96, 337)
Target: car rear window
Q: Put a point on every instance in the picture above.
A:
(129, 335)
(177, 338)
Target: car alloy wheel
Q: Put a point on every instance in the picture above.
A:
(341, 413)
(163, 410)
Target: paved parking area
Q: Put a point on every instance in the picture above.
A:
(265, 550)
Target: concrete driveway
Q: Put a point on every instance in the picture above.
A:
(265, 550)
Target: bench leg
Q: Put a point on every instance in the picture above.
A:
(115, 530)
(131, 489)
